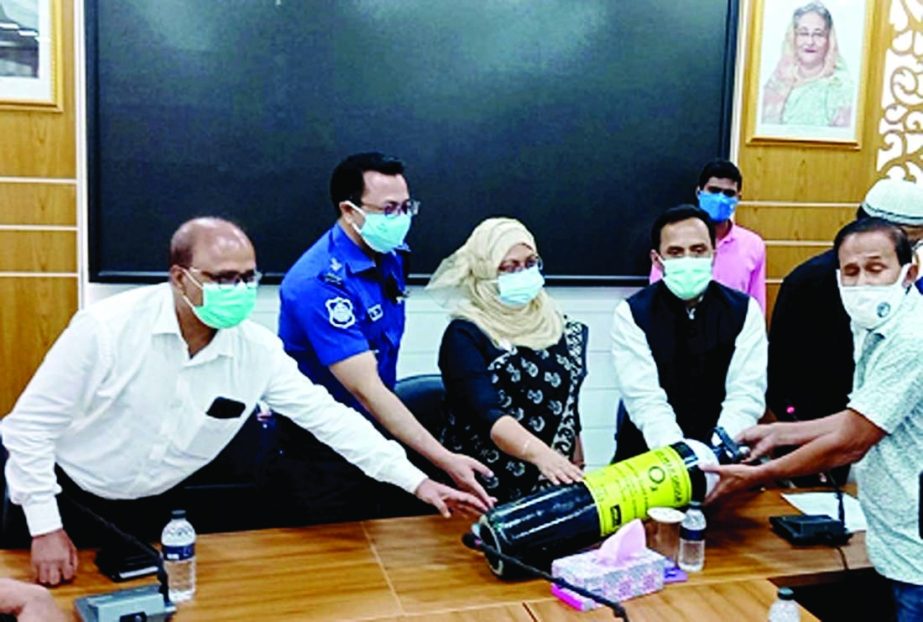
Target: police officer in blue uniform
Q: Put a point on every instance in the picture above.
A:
(342, 319)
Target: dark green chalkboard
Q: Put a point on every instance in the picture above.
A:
(583, 118)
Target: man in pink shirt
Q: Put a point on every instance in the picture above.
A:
(740, 256)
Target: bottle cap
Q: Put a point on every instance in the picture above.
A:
(178, 514)
(666, 515)
(786, 593)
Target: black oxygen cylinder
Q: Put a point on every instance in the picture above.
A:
(546, 525)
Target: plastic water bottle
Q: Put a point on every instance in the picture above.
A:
(692, 539)
(178, 543)
(785, 609)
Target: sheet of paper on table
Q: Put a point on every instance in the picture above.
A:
(826, 503)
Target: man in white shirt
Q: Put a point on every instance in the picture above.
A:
(146, 387)
(689, 353)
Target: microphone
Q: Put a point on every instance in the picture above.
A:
(128, 538)
(147, 602)
(813, 528)
(472, 541)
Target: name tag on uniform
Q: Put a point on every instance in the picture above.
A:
(375, 313)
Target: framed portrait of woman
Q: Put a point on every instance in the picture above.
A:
(808, 70)
(30, 54)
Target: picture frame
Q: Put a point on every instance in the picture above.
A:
(31, 55)
(808, 66)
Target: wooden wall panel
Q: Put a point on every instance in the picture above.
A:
(783, 258)
(772, 293)
(805, 174)
(801, 222)
(38, 204)
(33, 313)
(38, 251)
(798, 195)
(37, 143)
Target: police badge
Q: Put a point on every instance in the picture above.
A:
(340, 312)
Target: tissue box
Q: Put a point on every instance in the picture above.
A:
(641, 574)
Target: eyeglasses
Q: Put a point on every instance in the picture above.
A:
(230, 279)
(728, 192)
(393, 208)
(514, 267)
(806, 34)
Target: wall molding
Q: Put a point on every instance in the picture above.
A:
(38, 228)
(66, 181)
(38, 275)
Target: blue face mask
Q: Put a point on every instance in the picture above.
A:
(718, 206)
(518, 289)
(381, 232)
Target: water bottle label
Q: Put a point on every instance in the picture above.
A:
(691, 535)
(178, 553)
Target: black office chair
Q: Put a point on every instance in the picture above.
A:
(424, 396)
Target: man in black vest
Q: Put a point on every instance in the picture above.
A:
(689, 352)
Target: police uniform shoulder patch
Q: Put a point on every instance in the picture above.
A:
(340, 312)
(334, 273)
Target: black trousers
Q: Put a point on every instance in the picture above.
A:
(307, 482)
(84, 516)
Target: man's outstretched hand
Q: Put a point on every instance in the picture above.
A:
(448, 500)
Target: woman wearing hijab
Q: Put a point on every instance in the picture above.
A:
(810, 85)
(511, 363)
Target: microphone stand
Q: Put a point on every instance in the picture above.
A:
(130, 539)
(472, 541)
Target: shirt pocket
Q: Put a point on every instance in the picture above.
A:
(205, 437)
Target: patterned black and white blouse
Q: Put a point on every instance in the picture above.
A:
(538, 388)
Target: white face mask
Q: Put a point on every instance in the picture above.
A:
(870, 306)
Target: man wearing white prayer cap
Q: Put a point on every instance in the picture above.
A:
(810, 339)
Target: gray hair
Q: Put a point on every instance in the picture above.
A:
(813, 7)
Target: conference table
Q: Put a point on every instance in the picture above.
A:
(416, 569)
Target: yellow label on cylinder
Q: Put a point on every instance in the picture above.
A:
(628, 489)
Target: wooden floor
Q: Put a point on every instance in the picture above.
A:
(417, 569)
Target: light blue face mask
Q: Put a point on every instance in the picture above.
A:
(718, 206)
(518, 289)
(381, 232)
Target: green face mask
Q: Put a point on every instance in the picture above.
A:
(222, 306)
(687, 277)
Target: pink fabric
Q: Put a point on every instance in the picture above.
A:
(740, 263)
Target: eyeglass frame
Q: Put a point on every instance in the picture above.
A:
(531, 262)
(812, 34)
(410, 207)
(223, 281)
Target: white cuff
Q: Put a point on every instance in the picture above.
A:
(403, 474)
(43, 517)
(664, 434)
